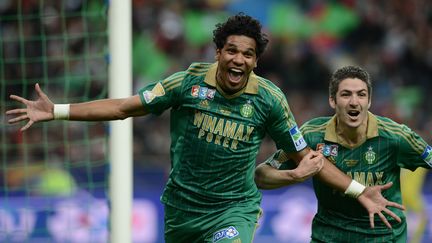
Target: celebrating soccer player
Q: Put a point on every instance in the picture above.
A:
(369, 148)
(220, 113)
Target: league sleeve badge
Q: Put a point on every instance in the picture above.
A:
(427, 155)
(157, 91)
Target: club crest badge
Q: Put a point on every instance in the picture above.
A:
(370, 156)
(247, 109)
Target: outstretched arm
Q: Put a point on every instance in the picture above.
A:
(42, 109)
(371, 197)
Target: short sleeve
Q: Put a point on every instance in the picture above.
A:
(159, 96)
(283, 128)
(413, 151)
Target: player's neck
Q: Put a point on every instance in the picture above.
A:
(351, 136)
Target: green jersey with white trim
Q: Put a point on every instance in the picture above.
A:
(389, 146)
(215, 137)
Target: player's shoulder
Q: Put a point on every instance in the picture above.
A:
(193, 75)
(198, 68)
(268, 89)
(315, 125)
(266, 84)
(397, 132)
(390, 128)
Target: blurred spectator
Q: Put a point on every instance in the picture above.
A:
(309, 40)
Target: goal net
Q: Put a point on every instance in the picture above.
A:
(54, 175)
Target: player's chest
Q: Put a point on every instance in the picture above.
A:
(372, 154)
(211, 105)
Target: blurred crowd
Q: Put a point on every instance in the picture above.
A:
(392, 40)
(308, 41)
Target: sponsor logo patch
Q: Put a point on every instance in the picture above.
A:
(351, 162)
(157, 91)
(297, 138)
(228, 233)
(225, 110)
(204, 103)
(427, 155)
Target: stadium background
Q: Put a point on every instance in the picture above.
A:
(309, 39)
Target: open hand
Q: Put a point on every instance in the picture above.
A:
(375, 203)
(35, 111)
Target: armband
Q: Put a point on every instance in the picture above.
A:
(354, 189)
(61, 111)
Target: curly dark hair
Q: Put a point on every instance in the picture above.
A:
(349, 72)
(240, 24)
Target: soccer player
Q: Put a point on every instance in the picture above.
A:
(369, 148)
(220, 113)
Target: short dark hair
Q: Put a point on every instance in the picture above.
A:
(348, 72)
(240, 24)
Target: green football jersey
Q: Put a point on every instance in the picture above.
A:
(215, 137)
(389, 146)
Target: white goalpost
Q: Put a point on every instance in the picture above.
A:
(120, 136)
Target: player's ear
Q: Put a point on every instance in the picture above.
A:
(332, 102)
(218, 52)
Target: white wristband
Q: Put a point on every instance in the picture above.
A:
(61, 111)
(354, 189)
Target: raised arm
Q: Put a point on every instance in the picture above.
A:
(42, 109)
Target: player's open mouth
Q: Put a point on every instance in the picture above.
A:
(235, 75)
(353, 113)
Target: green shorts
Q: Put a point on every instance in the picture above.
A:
(236, 224)
(323, 232)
